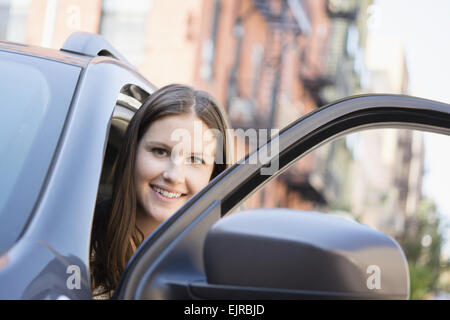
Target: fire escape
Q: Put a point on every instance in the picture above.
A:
(336, 79)
(283, 19)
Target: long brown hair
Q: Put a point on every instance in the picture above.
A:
(115, 234)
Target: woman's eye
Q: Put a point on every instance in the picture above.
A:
(159, 152)
(196, 160)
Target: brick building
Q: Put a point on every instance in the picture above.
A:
(267, 62)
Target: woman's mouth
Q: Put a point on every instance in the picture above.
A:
(166, 195)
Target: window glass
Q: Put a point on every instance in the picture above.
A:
(123, 23)
(35, 95)
(17, 20)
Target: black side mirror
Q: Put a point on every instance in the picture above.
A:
(281, 253)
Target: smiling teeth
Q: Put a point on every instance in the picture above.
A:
(167, 194)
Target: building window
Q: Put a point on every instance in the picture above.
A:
(352, 41)
(4, 18)
(123, 24)
(209, 46)
(13, 19)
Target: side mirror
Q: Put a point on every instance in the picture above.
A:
(287, 254)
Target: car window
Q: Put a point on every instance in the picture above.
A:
(119, 122)
(35, 95)
(394, 180)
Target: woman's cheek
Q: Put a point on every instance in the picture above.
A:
(149, 166)
(198, 177)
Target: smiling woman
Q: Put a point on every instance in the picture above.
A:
(174, 145)
(165, 179)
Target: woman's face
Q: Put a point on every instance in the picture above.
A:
(174, 160)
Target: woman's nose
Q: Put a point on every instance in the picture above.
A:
(174, 173)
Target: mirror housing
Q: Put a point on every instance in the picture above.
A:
(297, 254)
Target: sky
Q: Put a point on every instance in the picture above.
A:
(423, 27)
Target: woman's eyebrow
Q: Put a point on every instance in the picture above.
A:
(157, 143)
(151, 143)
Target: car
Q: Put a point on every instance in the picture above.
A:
(59, 107)
(65, 112)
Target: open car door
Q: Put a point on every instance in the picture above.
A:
(200, 254)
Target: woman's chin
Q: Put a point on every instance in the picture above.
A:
(162, 210)
(161, 216)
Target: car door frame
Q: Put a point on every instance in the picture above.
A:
(171, 259)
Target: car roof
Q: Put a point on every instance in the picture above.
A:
(80, 49)
(46, 53)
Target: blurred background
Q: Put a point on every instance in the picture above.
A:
(268, 62)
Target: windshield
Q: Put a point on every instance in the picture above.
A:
(35, 95)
